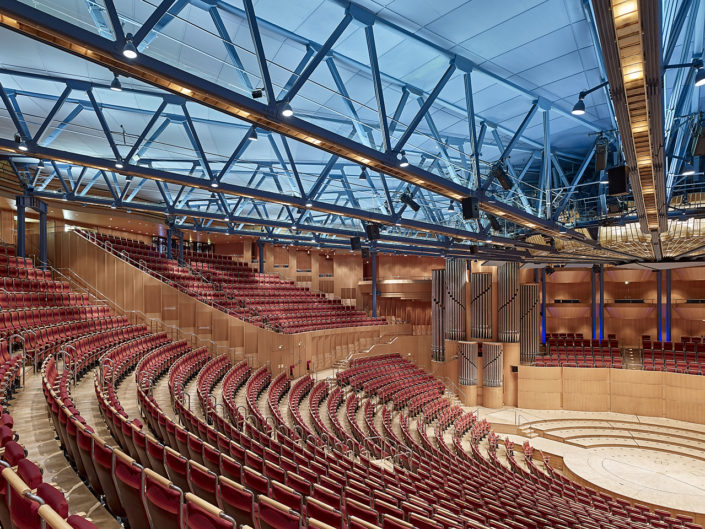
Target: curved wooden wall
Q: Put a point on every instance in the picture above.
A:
(650, 393)
(134, 290)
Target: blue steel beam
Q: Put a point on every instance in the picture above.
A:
(162, 72)
(425, 107)
(152, 121)
(151, 22)
(103, 124)
(11, 111)
(318, 57)
(229, 47)
(475, 145)
(61, 126)
(519, 132)
(259, 51)
(576, 180)
(163, 178)
(96, 13)
(59, 102)
(364, 134)
(379, 92)
(114, 20)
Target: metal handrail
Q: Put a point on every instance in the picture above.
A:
(24, 353)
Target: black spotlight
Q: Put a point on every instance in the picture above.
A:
(595, 269)
(355, 243)
(494, 223)
(407, 199)
(549, 270)
(257, 93)
(497, 171)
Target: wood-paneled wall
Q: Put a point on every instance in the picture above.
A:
(144, 297)
(649, 393)
(628, 321)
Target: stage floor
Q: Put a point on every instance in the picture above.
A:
(652, 460)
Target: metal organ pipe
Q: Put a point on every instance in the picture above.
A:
(530, 323)
(437, 315)
(481, 306)
(508, 302)
(492, 364)
(467, 351)
(455, 278)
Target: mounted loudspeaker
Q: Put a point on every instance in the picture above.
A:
(372, 231)
(365, 253)
(471, 208)
(355, 243)
(618, 181)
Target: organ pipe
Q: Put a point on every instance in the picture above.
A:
(467, 351)
(508, 302)
(437, 315)
(455, 279)
(481, 306)
(492, 364)
(530, 334)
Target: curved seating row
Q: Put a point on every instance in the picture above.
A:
(208, 377)
(232, 382)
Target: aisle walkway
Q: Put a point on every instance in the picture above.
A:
(36, 432)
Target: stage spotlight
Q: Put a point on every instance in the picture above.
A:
(286, 110)
(494, 223)
(403, 160)
(497, 171)
(257, 93)
(22, 145)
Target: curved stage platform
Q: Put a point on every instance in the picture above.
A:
(654, 461)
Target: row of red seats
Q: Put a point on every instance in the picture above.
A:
(208, 377)
(232, 382)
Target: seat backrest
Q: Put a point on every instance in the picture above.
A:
(237, 501)
(274, 515)
(324, 513)
(163, 500)
(201, 515)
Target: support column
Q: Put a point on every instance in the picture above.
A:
(659, 334)
(602, 302)
(543, 305)
(668, 305)
(20, 226)
(180, 236)
(43, 236)
(373, 256)
(169, 235)
(260, 255)
(593, 307)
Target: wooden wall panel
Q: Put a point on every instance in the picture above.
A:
(637, 392)
(684, 396)
(586, 389)
(540, 388)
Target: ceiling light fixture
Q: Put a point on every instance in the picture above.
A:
(363, 174)
(118, 164)
(21, 144)
(451, 206)
(403, 160)
(688, 169)
(129, 50)
(253, 135)
(214, 184)
(579, 107)
(407, 199)
(286, 110)
(115, 86)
